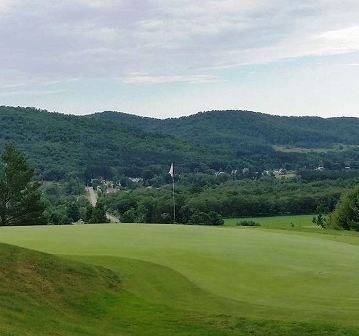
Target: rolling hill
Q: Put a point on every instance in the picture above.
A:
(61, 145)
(240, 128)
(110, 143)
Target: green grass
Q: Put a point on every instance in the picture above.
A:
(191, 280)
(42, 294)
(335, 148)
(279, 222)
(297, 224)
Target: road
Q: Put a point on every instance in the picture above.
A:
(92, 197)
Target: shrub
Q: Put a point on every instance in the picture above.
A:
(346, 215)
(202, 218)
(248, 223)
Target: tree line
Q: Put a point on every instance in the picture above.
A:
(25, 201)
(199, 196)
(200, 199)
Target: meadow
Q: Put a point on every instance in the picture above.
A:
(189, 280)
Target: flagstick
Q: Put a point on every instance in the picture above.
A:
(174, 201)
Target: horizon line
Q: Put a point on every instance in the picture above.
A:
(180, 116)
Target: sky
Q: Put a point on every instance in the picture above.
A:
(168, 58)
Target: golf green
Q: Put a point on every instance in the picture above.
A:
(248, 272)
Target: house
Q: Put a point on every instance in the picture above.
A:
(135, 179)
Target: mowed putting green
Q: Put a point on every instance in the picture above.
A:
(242, 272)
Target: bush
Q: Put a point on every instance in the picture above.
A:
(346, 215)
(202, 218)
(129, 216)
(247, 223)
(215, 218)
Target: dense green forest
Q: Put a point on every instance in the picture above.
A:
(235, 128)
(62, 146)
(202, 199)
(210, 151)
(112, 144)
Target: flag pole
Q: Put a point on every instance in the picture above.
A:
(174, 200)
(171, 172)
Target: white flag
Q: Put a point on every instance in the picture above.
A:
(171, 170)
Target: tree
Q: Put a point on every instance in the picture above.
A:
(98, 214)
(320, 219)
(215, 218)
(199, 218)
(129, 216)
(73, 212)
(20, 198)
(55, 219)
(88, 213)
(346, 215)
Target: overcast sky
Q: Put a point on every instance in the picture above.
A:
(166, 58)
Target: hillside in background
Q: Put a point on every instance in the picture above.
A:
(59, 145)
(243, 128)
(110, 143)
(266, 141)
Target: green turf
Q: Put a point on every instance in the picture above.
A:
(297, 224)
(46, 295)
(195, 280)
(279, 222)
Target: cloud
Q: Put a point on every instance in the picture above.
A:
(31, 92)
(342, 40)
(188, 41)
(4, 5)
(143, 78)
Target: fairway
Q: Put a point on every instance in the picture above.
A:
(303, 222)
(255, 273)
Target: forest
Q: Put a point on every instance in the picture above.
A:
(111, 144)
(202, 199)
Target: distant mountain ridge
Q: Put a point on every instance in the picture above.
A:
(113, 144)
(61, 145)
(236, 128)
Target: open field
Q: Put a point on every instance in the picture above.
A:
(279, 222)
(334, 148)
(191, 280)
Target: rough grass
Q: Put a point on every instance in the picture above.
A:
(45, 295)
(180, 280)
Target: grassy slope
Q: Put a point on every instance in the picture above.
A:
(240, 272)
(45, 295)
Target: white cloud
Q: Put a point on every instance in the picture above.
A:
(341, 40)
(143, 78)
(48, 39)
(4, 5)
